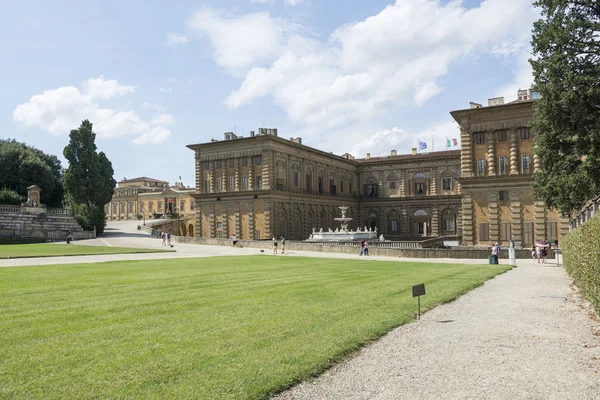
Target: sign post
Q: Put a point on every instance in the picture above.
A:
(418, 291)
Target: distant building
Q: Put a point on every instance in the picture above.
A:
(152, 197)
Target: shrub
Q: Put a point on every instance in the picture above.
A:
(139, 216)
(10, 197)
(581, 254)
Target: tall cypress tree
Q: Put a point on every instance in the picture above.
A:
(566, 66)
(88, 181)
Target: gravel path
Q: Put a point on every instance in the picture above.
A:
(523, 335)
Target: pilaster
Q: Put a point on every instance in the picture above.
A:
(466, 153)
(267, 215)
(514, 153)
(211, 220)
(238, 174)
(404, 222)
(467, 220)
(224, 220)
(435, 221)
(250, 172)
(517, 217)
(250, 220)
(459, 222)
(268, 164)
(539, 219)
(537, 163)
(199, 215)
(212, 176)
(236, 214)
(491, 155)
(563, 227)
(494, 216)
(434, 181)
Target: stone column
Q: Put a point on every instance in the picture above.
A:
(514, 153)
(212, 177)
(238, 174)
(468, 220)
(267, 215)
(199, 215)
(211, 220)
(435, 221)
(491, 156)
(250, 172)
(237, 219)
(402, 187)
(517, 217)
(466, 153)
(198, 162)
(539, 220)
(225, 185)
(459, 222)
(251, 220)
(404, 222)
(224, 220)
(494, 216)
(434, 181)
(268, 164)
(537, 163)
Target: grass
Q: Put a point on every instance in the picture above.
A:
(55, 250)
(210, 328)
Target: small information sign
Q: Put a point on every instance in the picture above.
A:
(418, 290)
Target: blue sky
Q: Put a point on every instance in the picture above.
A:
(353, 76)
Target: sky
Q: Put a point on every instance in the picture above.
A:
(347, 76)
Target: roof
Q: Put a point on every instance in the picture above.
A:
(142, 178)
(511, 103)
(408, 157)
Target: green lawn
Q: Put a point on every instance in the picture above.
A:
(54, 250)
(209, 328)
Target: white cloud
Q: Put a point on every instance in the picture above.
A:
(152, 106)
(294, 2)
(163, 119)
(59, 110)
(262, 1)
(366, 68)
(174, 39)
(105, 89)
(166, 90)
(523, 77)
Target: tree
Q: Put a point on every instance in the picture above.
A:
(22, 166)
(566, 67)
(89, 179)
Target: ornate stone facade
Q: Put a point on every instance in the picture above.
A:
(264, 186)
(497, 163)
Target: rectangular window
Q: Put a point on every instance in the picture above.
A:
(244, 183)
(394, 225)
(296, 178)
(244, 161)
(481, 167)
(551, 231)
(371, 190)
(502, 136)
(480, 138)
(218, 164)
(308, 183)
(420, 189)
(219, 183)
(524, 133)
(192, 205)
(393, 187)
(341, 186)
(159, 206)
(231, 184)
(231, 162)
(206, 165)
(151, 207)
(527, 234)
(484, 232)
(182, 206)
(207, 186)
(525, 164)
(505, 231)
(502, 166)
(350, 187)
(258, 182)
(447, 184)
(258, 160)
(130, 208)
(448, 225)
(503, 195)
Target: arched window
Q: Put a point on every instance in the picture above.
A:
(420, 184)
(309, 180)
(419, 175)
(371, 188)
(420, 213)
(393, 222)
(392, 183)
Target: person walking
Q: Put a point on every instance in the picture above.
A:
(366, 248)
(544, 255)
(164, 239)
(233, 240)
(282, 245)
(495, 252)
(538, 253)
(169, 239)
(274, 245)
(362, 248)
(533, 252)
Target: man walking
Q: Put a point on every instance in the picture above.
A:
(495, 252)
(169, 239)
(274, 245)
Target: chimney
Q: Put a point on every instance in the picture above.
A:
(475, 105)
(251, 133)
(414, 151)
(496, 101)
(368, 156)
(393, 152)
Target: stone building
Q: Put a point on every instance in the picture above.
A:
(150, 198)
(497, 162)
(263, 186)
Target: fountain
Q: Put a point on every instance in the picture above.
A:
(342, 234)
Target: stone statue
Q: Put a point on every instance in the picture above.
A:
(321, 230)
(313, 230)
(381, 239)
(329, 230)
(28, 203)
(366, 230)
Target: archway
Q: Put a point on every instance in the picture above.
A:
(421, 224)
(191, 230)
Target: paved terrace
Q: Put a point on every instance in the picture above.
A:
(524, 335)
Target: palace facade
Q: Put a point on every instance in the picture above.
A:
(497, 162)
(149, 198)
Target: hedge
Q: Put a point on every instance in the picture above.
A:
(581, 257)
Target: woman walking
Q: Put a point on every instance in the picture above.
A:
(274, 245)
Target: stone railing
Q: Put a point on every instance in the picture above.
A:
(59, 211)
(44, 234)
(374, 243)
(5, 208)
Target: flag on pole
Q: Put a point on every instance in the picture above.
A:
(448, 144)
(422, 145)
(454, 142)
